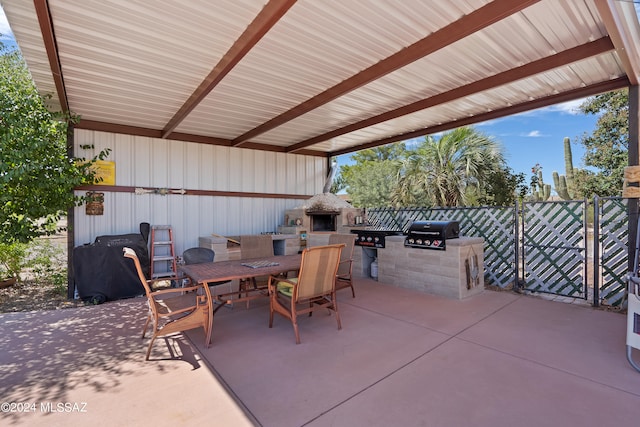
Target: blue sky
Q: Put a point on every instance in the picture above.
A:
(6, 36)
(527, 138)
(536, 137)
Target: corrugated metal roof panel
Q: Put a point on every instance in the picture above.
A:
(471, 59)
(150, 59)
(326, 46)
(137, 63)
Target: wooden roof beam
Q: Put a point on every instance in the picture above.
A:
(263, 22)
(51, 47)
(496, 114)
(198, 139)
(568, 56)
(617, 25)
(475, 21)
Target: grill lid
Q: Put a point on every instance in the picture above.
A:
(372, 237)
(431, 234)
(446, 229)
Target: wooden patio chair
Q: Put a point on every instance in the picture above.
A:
(200, 255)
(313, 289)
(175, 309)
(344, 278)
(254, 246)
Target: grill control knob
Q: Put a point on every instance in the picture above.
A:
(419, 241)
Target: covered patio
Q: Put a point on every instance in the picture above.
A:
(221, 117)
(402, 358)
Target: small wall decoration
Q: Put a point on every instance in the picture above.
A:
(95, 203)
(105, 172)
(161, 191)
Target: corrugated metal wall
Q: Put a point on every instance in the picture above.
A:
(159, 163)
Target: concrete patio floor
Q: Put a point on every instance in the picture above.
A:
(403, 358)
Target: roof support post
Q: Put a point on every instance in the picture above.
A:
(634, 160)
(71, 287)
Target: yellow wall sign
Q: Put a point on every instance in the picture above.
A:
(106, 170)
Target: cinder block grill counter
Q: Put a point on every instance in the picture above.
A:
(456, 272)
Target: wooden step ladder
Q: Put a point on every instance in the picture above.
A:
(163, 255)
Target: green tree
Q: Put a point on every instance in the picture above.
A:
(37, 177)
(453, 170)
(371, 179)
(606, 148)
(394, 152)
(503, 187)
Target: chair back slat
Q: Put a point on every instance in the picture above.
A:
(318, 270)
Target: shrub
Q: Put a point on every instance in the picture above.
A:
(12, 259)
(47, 264)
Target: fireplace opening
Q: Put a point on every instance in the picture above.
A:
(323, 221)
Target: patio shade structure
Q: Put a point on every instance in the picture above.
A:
(322, 78)
(314, 77)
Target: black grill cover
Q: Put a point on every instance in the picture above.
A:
(102, 273)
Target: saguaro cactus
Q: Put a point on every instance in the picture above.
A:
(564, 183)
(540, 190)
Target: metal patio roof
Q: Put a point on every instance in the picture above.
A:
(319, 77)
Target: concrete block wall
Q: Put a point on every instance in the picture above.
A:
(283, 244)
(438, 272)
(220, 247)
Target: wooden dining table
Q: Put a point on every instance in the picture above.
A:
(240, 269)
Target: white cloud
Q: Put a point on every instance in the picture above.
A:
(533, 134)
(5, 30)
(487, 123)
(570, 107)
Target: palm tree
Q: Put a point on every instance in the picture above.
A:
(449, 171)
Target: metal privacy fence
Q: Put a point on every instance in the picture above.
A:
(546, 247)
(554, 248)
(611, 243)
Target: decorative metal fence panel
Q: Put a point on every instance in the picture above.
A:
(554, 236)
(496, 225)
(554, 244)
(613, 234)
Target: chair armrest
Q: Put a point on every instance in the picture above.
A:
(182, 278)
(276, 280)
(174, 290)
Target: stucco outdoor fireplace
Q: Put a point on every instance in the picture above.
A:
(323, 213)
(323, 220)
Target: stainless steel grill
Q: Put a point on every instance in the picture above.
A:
(373, 238)
(431, 234)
